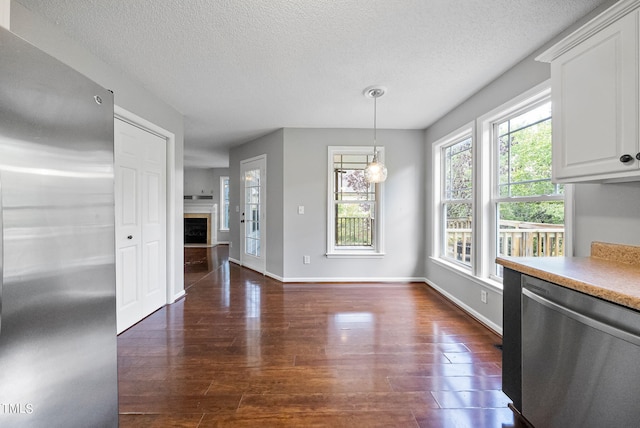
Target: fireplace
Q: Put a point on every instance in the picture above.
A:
(200, 224)
(195, 230)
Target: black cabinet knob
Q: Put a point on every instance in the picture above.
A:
(626, 158)
(130, 237)
(638, 156)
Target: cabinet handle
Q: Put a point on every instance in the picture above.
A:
(638, 156)
(626, 158)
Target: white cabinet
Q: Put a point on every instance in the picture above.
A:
(596, 99)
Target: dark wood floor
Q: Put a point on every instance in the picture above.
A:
(242, 350)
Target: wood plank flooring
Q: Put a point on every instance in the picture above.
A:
(242, 350)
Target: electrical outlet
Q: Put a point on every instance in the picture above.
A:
(306, 260)
(483, 296)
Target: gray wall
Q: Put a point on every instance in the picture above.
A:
(272, 145)
(297, 175)
(608, 212)
(128, 94)
(305, 183)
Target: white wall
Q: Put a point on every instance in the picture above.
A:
(128, 94)
(602, 212)
(199, 181)
(305, 183)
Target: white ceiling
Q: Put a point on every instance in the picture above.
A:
(238, 69)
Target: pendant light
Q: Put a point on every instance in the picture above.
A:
(375, 172)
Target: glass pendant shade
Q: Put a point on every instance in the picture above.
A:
(375, 172)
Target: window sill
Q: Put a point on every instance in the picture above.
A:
(353, 255)
(466, 272)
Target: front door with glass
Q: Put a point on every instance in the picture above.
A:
(252, 218)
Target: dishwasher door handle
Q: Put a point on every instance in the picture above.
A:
(584, 319)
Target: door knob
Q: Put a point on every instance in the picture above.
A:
(626, 158)
(130, 237)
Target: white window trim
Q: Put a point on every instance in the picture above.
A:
(485, 159)
(465, 131)
(223, 214)
(351, 253)
(489, 161)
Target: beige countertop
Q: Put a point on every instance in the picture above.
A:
(612, 272)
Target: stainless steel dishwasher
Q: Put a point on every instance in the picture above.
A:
(580, 359)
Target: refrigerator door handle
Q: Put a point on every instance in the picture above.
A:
(1, 252)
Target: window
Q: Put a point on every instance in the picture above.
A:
(456, 199)
(528, 207)
(224, 203)
(354, 206)
(494, 196)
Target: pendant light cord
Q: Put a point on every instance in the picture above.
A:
(375, 115)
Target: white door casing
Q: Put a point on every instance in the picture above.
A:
(140, 180)
(253, 180)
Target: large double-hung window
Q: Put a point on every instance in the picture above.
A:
(493, 193)
(354, 227)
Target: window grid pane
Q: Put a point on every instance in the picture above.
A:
(457, 200)
(458, 232)
(458, 170)
(354, 225)
(524, 155)
(225, 204)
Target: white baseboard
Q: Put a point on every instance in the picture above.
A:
(351, 279)
(276, 277)
(477, 315)
(234, 261)
(178, 296)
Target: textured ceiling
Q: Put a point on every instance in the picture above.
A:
(237, 69)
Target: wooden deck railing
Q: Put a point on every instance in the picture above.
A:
(352, 231)
(515, 239)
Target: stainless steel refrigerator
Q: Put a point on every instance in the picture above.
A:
(58, 361)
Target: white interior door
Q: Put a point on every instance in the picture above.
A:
(140, 166)
(252, 218)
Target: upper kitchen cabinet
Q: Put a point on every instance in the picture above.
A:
(595, 95)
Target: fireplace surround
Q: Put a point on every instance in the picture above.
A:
(200, 224)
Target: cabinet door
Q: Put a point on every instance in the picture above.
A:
(595, 107)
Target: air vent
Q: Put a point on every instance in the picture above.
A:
(195, 197)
